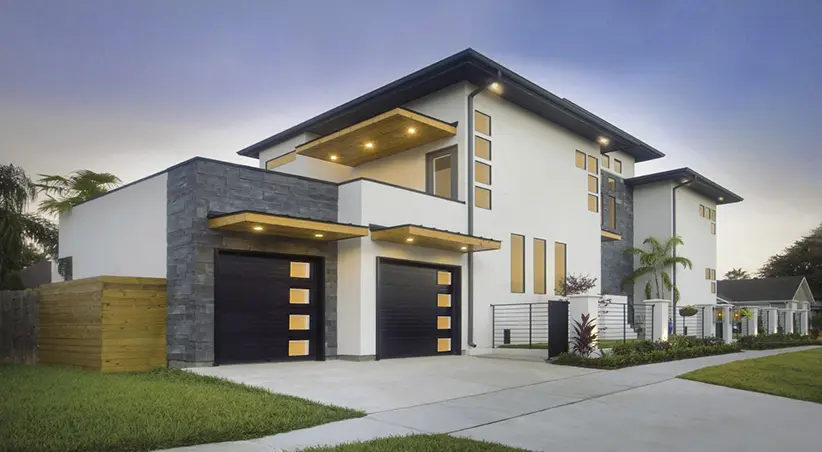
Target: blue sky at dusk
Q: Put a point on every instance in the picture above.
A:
(732, 88)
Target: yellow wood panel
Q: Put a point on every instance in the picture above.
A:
(298, 296)
(286, 226)
(298, 348)
(69, 331)
(443, 300)
(444, 345)
(432, 238)
(443, 278)
(443, 322)
(298, 322)
(281, 160)
(377, 137)
(608, 236)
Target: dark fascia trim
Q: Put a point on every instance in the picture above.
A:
(375, 227)
(211, 215)
(701, 184)
(206, 159)
(480, 64)
(414, 190)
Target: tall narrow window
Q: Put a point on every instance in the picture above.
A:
(611, 184)
(593, 184)
(580, 159)
(539, 267)
(482, 197)
(517, 263)
(618, 166)
(713, 228)
(611, 212)
(482, 123)
(708, 273)
(482, 173)
(593, 164)
(606, 161)
(560, 259)
(713, 287)
(593, 203)
(441, 173)
(701, 210)
(482, 148)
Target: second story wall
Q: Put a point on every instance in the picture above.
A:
(652, 218)
(695, 285)
(619, 163)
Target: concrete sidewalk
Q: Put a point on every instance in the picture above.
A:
(640, 408)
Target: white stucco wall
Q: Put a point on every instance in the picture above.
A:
(699, 246)
(122, 233)
(628, 165)
(652, 218)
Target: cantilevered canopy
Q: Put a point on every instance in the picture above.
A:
(389, 133)
(434, 238)
(609, 236)
(285, 226)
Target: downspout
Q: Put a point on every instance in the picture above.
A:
(470, 205)
(673, 276)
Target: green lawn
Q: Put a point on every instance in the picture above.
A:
(57, 409)
(418, 443)
(795, 375)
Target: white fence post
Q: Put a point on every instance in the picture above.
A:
(579, 305)
(727, 323)
(659, 328)
(752, 322)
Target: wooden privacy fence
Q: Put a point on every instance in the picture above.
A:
(106, 323)
(18, 326)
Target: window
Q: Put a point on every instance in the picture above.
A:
(611, 212)
(300, 270)
(701, 210)
(580, 160)
(482, 197)
(482, 173)
(611, 184)
(713, 274)
(482, 123)
(560, 259)
(713, 287)
(606, 161)
(517, 263)
(593, 203)
(281, 160)
(593, 165)
(441, 173)
(593, 184)
(707, 273)
(713, 228)
(539, 267)
(618, 166)
(482, 148)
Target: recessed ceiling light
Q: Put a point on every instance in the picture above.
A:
(409, 239)
(333, 157)
(318, 235)
(495, 85)
(369, 145)
(603, 141)
(258, 228)
(721, 198)
(412, 130)
(464, 248)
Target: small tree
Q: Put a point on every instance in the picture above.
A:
(736, 274)
(576, 285)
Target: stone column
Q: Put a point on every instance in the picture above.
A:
(752, 322)
(727, 323)
(659, 320)
(787, 316)
(579, 305)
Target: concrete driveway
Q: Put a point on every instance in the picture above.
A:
(535, 406)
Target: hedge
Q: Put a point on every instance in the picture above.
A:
(612, 361)
(769, 341)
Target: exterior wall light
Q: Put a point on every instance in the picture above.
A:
(333, 157)
(409, 239)
(603, 141)
(412, 130)
(257, 228)
(369, 145)
(318, 235)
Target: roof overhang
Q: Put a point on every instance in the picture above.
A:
(608, 236)
(386, 134)
(478, 70)
(414, 235)
(285, 226)
(696, 182)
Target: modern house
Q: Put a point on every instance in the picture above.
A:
(388, 226)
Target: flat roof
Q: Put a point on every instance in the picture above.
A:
(699, 184)
(468, 65)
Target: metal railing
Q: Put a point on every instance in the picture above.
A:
(615, 322)
(519, 325)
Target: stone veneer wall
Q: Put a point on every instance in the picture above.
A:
(616, 265)
(200, 187)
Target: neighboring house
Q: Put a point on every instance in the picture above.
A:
(681, 202)
(385, 227)
(786, 292)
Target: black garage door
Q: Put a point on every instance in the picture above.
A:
(266, 308)
(417, 309)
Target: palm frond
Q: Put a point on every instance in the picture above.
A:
(684, 261)
(648, 290)
(636, 274)
(672, 243)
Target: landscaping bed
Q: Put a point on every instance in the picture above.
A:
(418, 443)
(769, 341)
(48, 409)
(794, 375)
(647, 352)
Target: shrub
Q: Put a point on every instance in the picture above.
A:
(615, 361)
(584, 336)
(778, 340)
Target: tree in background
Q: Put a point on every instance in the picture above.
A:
(23, 235)
(63, 193)
(655, 262)
(737, 273)
(803, 258)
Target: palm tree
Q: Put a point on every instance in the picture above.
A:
(63, 193)
(737, 273)
(20, 230)
(655, 262)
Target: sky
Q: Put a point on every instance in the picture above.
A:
(729, 88)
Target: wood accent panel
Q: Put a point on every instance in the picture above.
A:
(388, 134)
(482, 173)
(609, 236)
(287, 226)
(443, 322)
(444, 344)
(281, 160)
(298, 348)
(517, 263)
(482, 148)
(300, 270)
(298, 296)
(434, 238)
(482, 123)
(298, 322)
(106, 323)
(443, 300)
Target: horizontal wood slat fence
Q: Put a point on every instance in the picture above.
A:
(105, 323)
(19, 326)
